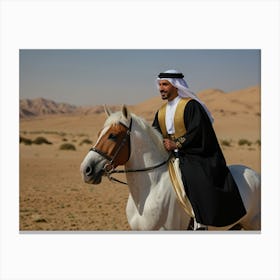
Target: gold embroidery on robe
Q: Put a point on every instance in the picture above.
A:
(179, 124)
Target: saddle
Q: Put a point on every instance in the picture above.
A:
(178, 186)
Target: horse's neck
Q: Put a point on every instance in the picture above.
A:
(146, 149)
(144, 153)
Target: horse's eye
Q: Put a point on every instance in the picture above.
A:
(112, 137)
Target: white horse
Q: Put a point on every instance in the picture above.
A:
(128, 140)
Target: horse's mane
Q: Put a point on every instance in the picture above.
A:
(153, 133)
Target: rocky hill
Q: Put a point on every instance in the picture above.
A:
(40, 107)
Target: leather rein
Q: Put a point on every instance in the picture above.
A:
(109, 168)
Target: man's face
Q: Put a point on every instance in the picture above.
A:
(167, 90)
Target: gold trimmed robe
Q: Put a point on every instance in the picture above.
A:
(208, 182)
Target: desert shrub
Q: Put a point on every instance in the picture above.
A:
(258, 142)
(86, 141)
(41, 140)
(67, 146)
(226, 143)
(25, 141)
(243, 142)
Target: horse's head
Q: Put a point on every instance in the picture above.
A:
(111, 149)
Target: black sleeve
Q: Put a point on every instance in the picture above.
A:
(156, 123)
(200, 137)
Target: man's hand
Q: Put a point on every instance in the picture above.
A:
(169, 144)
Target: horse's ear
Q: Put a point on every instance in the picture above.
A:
(107, 110)
(125, 111)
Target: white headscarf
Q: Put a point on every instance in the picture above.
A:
(183, 90)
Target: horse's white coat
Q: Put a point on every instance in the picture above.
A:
(152, 202)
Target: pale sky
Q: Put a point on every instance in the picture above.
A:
(93, 77)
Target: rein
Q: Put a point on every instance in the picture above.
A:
(114, 171)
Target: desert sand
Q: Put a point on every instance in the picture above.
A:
(53, 196)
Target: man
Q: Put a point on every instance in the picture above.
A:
(186, 126)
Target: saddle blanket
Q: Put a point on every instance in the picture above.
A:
(178, 186)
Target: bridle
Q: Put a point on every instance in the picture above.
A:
(109, 167)
(111, 164)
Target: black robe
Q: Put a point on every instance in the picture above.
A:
(208, 182)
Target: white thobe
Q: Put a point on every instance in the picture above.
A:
(170, 113)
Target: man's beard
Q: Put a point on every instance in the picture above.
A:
(164, 95)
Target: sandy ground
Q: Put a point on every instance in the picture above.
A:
(52, 194)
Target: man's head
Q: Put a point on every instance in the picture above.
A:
(166, 86)
(167, 90)
(171, 83)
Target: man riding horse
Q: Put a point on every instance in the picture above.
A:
(186, 126)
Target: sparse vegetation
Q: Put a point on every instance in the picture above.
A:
(67, 146)
(37, 141)
(243, 142)
(258, 142)
(86, 141)
(40, 220)
(226, 143)
(41, 140)
(25, 141)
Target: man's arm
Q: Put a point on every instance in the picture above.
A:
(168, 144)
(200, 137)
